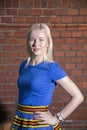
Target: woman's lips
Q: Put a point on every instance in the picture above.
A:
(36, 49)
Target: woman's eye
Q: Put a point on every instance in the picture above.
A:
(31, 39)
(41, 39)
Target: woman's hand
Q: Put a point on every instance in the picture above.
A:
(46, 118)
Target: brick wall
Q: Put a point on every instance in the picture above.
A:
(67, 20)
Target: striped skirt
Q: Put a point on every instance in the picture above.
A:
(24, 119)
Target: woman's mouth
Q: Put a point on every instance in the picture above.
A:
(36, 49)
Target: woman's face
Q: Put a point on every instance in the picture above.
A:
(38, 42)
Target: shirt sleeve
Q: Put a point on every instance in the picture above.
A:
(56, 72)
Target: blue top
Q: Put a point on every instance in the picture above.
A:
(37, 83)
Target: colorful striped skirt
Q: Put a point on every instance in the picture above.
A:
(24, 119)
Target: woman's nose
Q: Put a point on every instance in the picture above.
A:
(35, 42)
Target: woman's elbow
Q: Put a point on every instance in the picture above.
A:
(80, 98)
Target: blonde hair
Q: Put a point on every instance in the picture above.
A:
(45, 28)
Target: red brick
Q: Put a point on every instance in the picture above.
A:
(60, 12)
(59, 27)
(9, 74)
(26, 4)
(70, 53)
(35, 12)
(55, 34)
(77, 34)
(82, 66)
(3, 93)
(48, 11)
(3, 54)
(8, 3)
(66, 19)
(62, 47)
(22, 41)
(2, 41)
(7, 34)
(51, 4)
(2, 11)
(7, 47)
(84, 84)
(15, 3)
(59, 53)
(54, 19)
(6, 19)
(72, 27)
(2, 3)
(19, 19)
(37, 3)
(12, 11)
(84, 60)
(9, 100)
(85, 47)
(13, 41)
(3, 67)
(7, 60)
(70, 66)
(76, 72)
(23, 54)
(12, 93)
(19, 47)
(43, 19)
(30, 19)
(24, 12)
(12, 67)
(76, 60)
(13, 54)
(81, 53)
(19, 34)
(72, 12)
(65, 34)
(70, 40)
(44, 3)
(83, 11)
(79, 19)
(83, 27)
(82, 40)
(77, 47)
(11, 27)
(85, 33)
(62, 4)
(58, 41)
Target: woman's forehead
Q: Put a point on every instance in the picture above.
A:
(38, 33)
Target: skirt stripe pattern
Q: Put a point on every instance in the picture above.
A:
(24, 118)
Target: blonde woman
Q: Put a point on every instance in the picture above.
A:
(37, 78)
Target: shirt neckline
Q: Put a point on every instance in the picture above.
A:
(36, 64)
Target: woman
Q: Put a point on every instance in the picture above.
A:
(37, 79)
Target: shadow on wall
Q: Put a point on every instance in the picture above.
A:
(3, 114)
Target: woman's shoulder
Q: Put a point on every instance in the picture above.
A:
(53, 63)
(25, 62)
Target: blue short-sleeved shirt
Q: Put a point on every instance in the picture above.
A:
(37, 83)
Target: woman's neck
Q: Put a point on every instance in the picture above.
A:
(36, 60)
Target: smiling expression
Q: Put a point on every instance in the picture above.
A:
(38, 42)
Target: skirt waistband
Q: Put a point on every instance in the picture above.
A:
(31, 122)
(32, 109)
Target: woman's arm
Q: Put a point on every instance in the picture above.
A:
(77, 97)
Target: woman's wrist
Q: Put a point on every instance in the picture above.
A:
(60, 117)
(55, 120)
